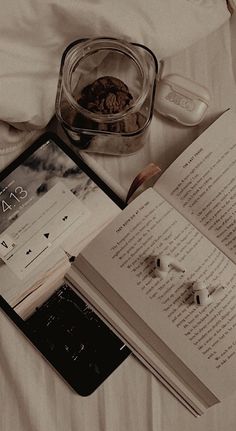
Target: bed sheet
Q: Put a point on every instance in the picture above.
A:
(34, 34)
(33, 397)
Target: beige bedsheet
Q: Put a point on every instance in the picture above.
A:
(32, 396)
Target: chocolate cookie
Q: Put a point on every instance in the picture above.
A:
(106, 95)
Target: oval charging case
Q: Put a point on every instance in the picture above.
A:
(182, 99)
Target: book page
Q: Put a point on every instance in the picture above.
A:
(119, 262)
(201, 184)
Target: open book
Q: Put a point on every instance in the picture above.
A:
(190, 214)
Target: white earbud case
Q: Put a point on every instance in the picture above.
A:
(182, 99)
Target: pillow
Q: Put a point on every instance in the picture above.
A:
(34, 34)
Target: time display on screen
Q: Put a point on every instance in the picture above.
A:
(14, 198)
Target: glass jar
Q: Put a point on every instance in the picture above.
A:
(105, 94)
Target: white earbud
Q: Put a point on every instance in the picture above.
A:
(201, 295)
(163, 264)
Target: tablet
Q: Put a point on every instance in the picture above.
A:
(51, 205)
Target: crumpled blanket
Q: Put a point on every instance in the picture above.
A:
(34, 34)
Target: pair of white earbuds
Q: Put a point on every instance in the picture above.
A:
(163, 263)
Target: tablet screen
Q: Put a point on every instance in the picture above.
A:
(47, 202)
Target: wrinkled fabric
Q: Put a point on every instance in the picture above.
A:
(34, 34)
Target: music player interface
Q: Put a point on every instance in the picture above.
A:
(41, 203)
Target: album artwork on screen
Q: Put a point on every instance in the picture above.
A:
(51, 205)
